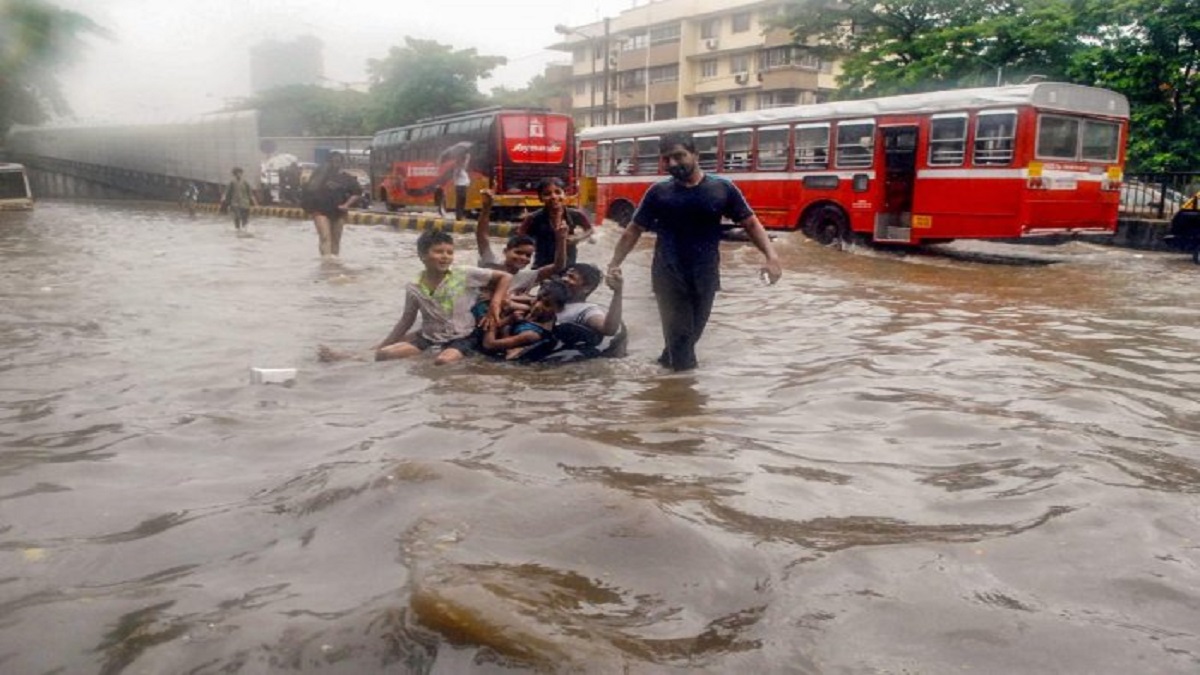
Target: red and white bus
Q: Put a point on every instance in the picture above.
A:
(510, 151)
(1003, 162)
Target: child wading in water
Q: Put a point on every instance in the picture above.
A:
(442, 296)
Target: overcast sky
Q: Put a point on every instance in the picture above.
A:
(173, 59)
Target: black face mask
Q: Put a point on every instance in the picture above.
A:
(681, 172)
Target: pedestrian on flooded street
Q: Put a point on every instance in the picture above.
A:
(238, 199)
(328, 196)
(685, 213)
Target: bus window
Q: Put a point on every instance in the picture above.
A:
(1101, 141)
(623, 157)
(994, 133)
(1058, 137)
(948, 140)
(855, 144)
(738, 155)
(604, 158)
(812, 147)
(773, 148)
(646, 162)
(706, 150)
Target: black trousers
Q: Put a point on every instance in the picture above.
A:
(684, 305)
(460, 201)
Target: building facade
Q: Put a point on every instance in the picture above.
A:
(682, 58)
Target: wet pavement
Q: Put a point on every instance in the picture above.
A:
(888, 463)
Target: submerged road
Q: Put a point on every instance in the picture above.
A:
(885, 464)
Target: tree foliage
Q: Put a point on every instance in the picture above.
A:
(540, 92)
(310, 110)
(37, 40)
(1149, 50)
(424, 78)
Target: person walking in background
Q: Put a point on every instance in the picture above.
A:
(542, 224)
(190, 197)
(685, 213)
(238, 199)
(462, 181)
(328, 196)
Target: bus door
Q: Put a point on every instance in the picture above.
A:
(587, 179)
(893, 222)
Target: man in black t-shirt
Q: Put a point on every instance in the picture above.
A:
(685, 213)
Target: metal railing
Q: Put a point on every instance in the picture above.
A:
(1157, 195)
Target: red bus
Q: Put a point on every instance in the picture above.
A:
(1009, 161)
(509, 151)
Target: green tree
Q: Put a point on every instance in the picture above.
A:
(37, 40)
(1144, 49)
(905, 46)
(309, 110)
(541, 92)
(423, 79)
(1149, 50)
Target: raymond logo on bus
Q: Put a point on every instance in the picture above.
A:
(524, 151)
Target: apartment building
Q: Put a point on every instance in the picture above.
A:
(680, 58)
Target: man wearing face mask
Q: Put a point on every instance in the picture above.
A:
(685, 213)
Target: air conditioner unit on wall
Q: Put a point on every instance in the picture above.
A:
(711, 43)
(741, 78)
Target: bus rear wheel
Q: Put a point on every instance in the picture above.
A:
(827, 225)
(620, 213)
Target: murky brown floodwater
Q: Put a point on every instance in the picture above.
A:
(884, 465)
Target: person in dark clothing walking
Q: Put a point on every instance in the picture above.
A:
(685, 213)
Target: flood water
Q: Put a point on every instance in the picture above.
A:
(885, 464)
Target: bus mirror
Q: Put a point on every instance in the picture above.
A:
(861, 182)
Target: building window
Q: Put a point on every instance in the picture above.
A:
(632, 79)
(739, 63)
(579, 54)
(666, 111)
(778, 99)
(710, 28)
(635, 114)
(737, 103)
(634, 41)
(741, 22)
(707, 106)
(775, 57)
(661, 35)
(667, 73)
(708, 68)
(581, 87)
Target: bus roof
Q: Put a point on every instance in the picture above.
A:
(467, 114)
(1058, 96)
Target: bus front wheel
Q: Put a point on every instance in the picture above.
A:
(827, 225)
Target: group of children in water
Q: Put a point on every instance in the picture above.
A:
(504, 308)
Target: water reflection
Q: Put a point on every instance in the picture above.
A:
(887, 459)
